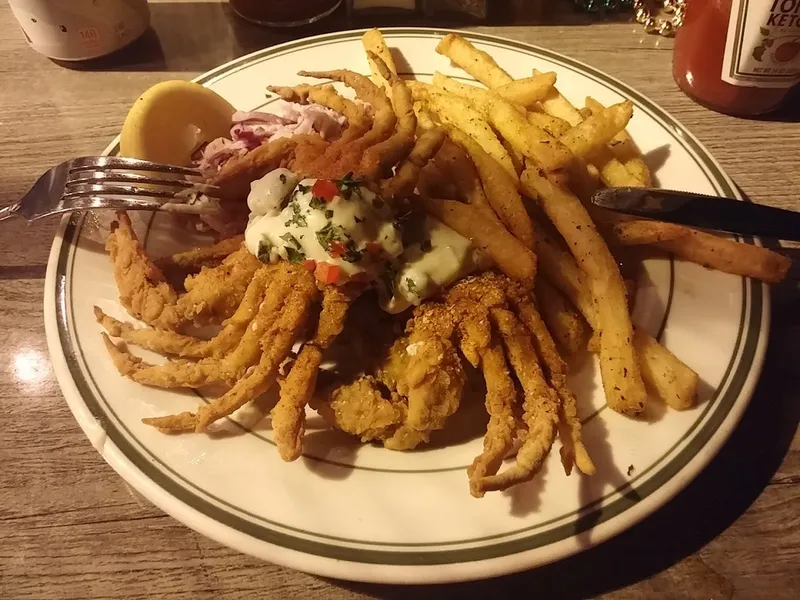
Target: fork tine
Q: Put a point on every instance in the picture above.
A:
(79, 190)
(102, 177)
(95, 163)
(101, 202)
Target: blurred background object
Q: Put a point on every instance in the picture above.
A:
(80, 29)
(285, 13)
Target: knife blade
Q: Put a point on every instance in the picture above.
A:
(716, 213)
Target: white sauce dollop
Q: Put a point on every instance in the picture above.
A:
(354, 231)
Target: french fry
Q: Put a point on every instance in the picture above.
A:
(729, 256)
(458, 112)
(373, 42)
(624, 148)
(564, 322)
(552, 125)
(596, 131)
(510, 255)
(612, 171)
(457, 167)
(470, 92)
(560, 268)
(664, 374)
(622, 380)
(636, 232)
(500, 189)
(528, 91)
(509, 120)
(557, 105)
(475, 62)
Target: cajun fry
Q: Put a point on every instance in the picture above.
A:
(729, 256)
(624, 148)
(500, 189)
(528, 91)
(510, 121)
(374, 43)
(596, 131)
(564, 322)
(622, 380)
(457, 167)
(475, 62)
(456, 111)
(643, 231)
(664, 374)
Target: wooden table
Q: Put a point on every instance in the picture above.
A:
(71, 528)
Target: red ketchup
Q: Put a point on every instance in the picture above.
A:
(739, 57)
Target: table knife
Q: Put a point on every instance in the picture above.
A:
(715, 213)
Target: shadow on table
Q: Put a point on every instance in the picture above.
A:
(705, 509)
(197, 36)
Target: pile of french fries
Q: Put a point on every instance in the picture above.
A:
(515, 177)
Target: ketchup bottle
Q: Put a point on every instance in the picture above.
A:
(738, 57)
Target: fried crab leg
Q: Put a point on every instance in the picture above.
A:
(540, 406)
(143, 289)
(205, 256)
(379, 159)
(345, 155)
(230, 368)
(213, 294)
(276, 345)
(186, 346)
(402, 185)
(326, 95)
(501, 395)
(573, 450)
(288, 416)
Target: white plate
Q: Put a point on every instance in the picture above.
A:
(364, 513)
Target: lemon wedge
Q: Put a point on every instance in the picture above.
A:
(171, 119)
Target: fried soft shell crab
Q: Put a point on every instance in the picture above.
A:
(267, 301)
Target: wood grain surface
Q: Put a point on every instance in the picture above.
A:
(71, 528)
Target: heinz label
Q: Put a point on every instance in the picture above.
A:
(763, 44)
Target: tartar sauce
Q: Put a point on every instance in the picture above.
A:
(345, 232)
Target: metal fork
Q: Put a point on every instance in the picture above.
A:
(115, 182)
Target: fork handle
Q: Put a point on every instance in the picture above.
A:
(9, 211)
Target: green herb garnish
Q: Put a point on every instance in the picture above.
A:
(289, 238)
(328, 214)
(264, 250)
(411, 286)
(347, 185)
(388, 277)
(318, 203)
(294, 255)
(352, 255)
(303, 188)
(326, 235)
(282, 177)
(298, 218)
